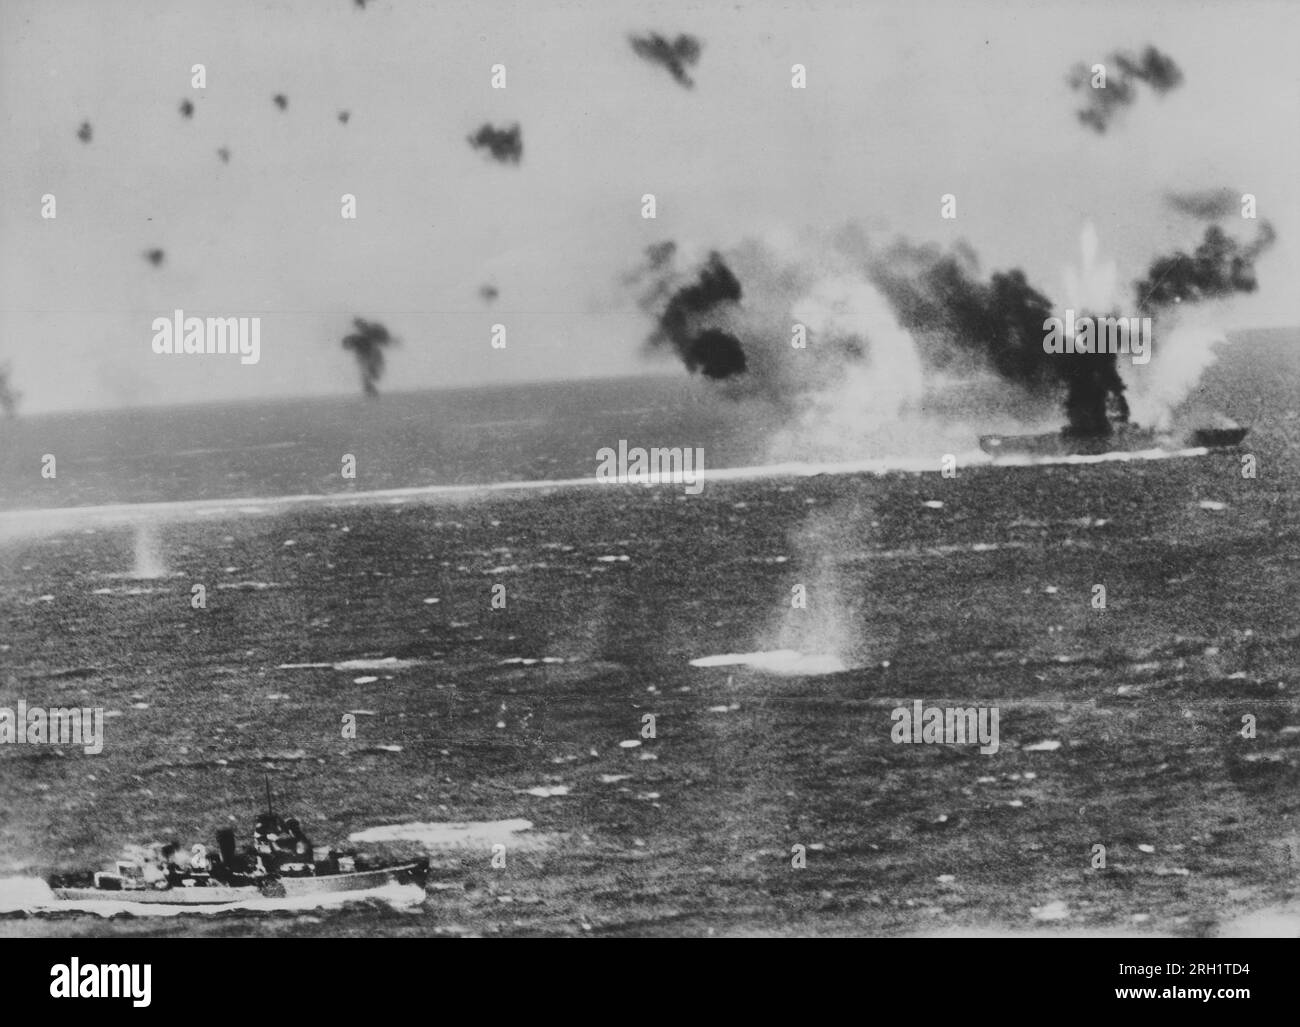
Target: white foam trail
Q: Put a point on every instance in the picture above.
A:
(20, 894)
(1275, 922)
(785, 662)
(446, 835)
(933, 551)
(387, 663)
(32, 895)
(17, 523)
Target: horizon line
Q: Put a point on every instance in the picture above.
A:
(350, 394)
(650, 375)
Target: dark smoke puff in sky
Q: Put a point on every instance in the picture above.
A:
(656, 268)
(84, 132)
(676, 56)
(1206, 204)
(281, 101)
(659, 255)
(711, 351)
(367, 344)
(1123, 72)
(1219, 267)
(506, 145)
(155, 257)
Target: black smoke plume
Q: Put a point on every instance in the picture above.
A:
(224, 154)
(1123, 73)
(681, 311)
(1154, 68)
(1092, 381)
(344, 116)
(956, 316)
(367, 344)
(1219, 267)
(187, 109)
(676, 55)
(505, 145)
(657, 269)
(9, 396)
(155, 257)
(281, 101)
(84, 132)
(488, 293)
(961, 320)
(1205, 204)
(715, 354)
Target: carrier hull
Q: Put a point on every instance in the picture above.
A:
(1125, 439)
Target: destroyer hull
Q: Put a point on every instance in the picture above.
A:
(361, 880)
(275, 887)
(209, 896)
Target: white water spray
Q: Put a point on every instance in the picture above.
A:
(1092, 286)
(868, 397)
(148, 554)
(1181, 354)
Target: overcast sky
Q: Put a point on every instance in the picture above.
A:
(905, 102)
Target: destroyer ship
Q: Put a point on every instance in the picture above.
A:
(281, 863)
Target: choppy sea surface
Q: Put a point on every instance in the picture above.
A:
(524, 725)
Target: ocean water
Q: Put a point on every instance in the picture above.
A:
(1120, 728)
(503, 433)
(277, 448)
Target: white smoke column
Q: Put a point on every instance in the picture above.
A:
(832, 628)
(1180, 355)
(826, 627)
(1092, 286)
(148, 554)
(864, 396)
